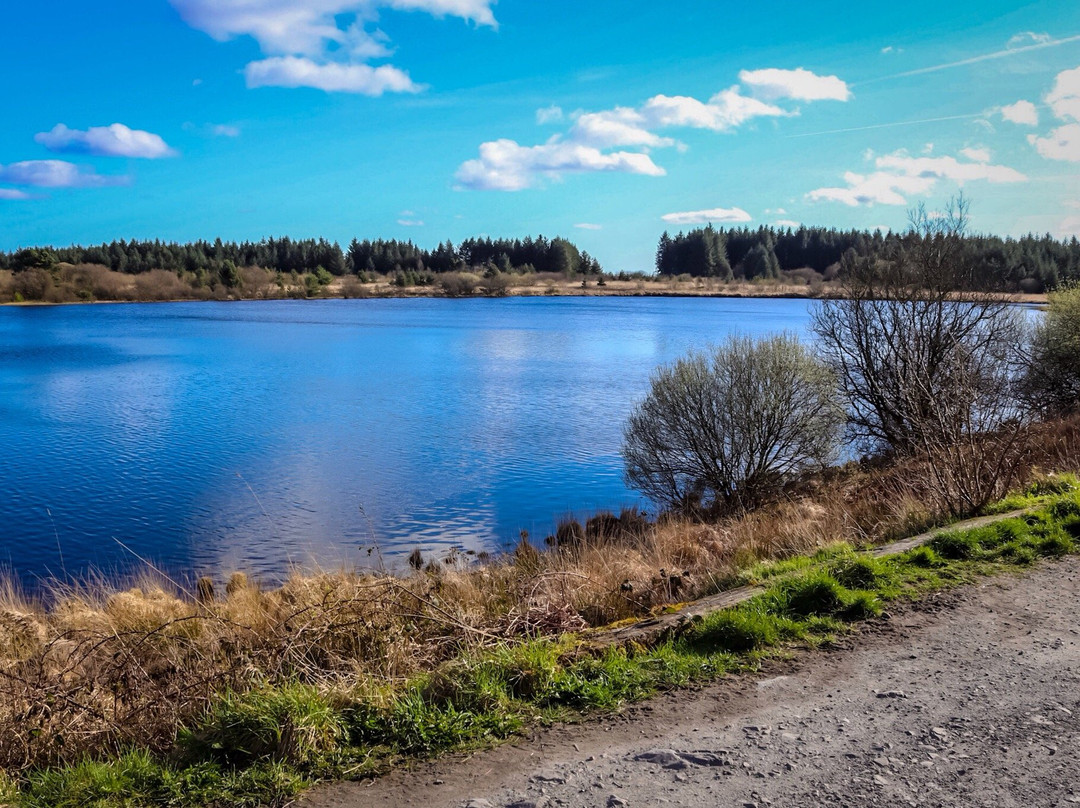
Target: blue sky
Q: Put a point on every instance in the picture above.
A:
(606, 122)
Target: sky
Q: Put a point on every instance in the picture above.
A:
(606, 122)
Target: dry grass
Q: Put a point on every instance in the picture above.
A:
(100, 669)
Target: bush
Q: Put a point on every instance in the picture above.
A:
(1053, 378)
(455, 284)
(725, 431)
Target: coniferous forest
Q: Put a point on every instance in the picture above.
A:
(281, 267)
(1028, 264)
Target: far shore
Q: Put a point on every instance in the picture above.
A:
(523, 286)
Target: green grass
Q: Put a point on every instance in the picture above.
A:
(262, 747)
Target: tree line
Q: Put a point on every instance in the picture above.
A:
(1029, 264)
(383, 257)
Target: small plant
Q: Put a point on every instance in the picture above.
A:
(295, 724)
(737, 630)
(956, 546)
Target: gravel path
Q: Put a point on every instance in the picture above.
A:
(971, 698)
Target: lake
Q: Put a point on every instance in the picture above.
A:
(210, 437)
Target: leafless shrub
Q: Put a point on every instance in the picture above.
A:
(926, 367)
(458, 284)
(725, 431)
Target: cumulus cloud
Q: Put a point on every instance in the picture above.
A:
(878, 188)
(325, 44)
(13, 193)
(787, 223)
(1062, 143)
(55, 174)
(1022, 112)
(588, 226)
(411, 222)
(948, 168)
(1064, 98)
(979, 155)
(295, 71)
(798, 84)
(116, 140)
(899, 175)
(504, 165)
(225, 130)
(728, 215)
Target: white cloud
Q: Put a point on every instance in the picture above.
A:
(55, 174)
(1022, 112)
(1062, 143)
(1027, 38)
(621, 126)
(546, 115)
(294, 71)
(410, 222)
(305, 27)
(880, 188)
(504, 165)
(116, 140)
(321, 43)
(588, 226)
(13, 193)
(798, 84)
(507, 165)
(948, 168)
(225, 130)
(979, 155)
(730, 215)
(724, 111)
(787, 223)
(1064, 99)
(900, 175)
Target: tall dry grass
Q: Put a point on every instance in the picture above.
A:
(92, 669)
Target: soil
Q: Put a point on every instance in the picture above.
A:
(970, 698)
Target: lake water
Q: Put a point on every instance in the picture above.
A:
(209, 437)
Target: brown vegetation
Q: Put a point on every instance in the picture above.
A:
(98, 669)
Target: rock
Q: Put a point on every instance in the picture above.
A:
(479, 804)
(540, 803)
(703, 758)
(668, 758)
(614, 801)
(550, 777)
(892, 694)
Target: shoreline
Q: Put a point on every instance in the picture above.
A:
(614, 288)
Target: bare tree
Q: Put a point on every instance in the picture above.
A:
(723, 431)
(927, 365)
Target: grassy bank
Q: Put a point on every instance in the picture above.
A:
(265, 734)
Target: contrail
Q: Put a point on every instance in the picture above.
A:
(1001, 54)
(889, 125)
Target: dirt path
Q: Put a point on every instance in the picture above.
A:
(970, 699)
